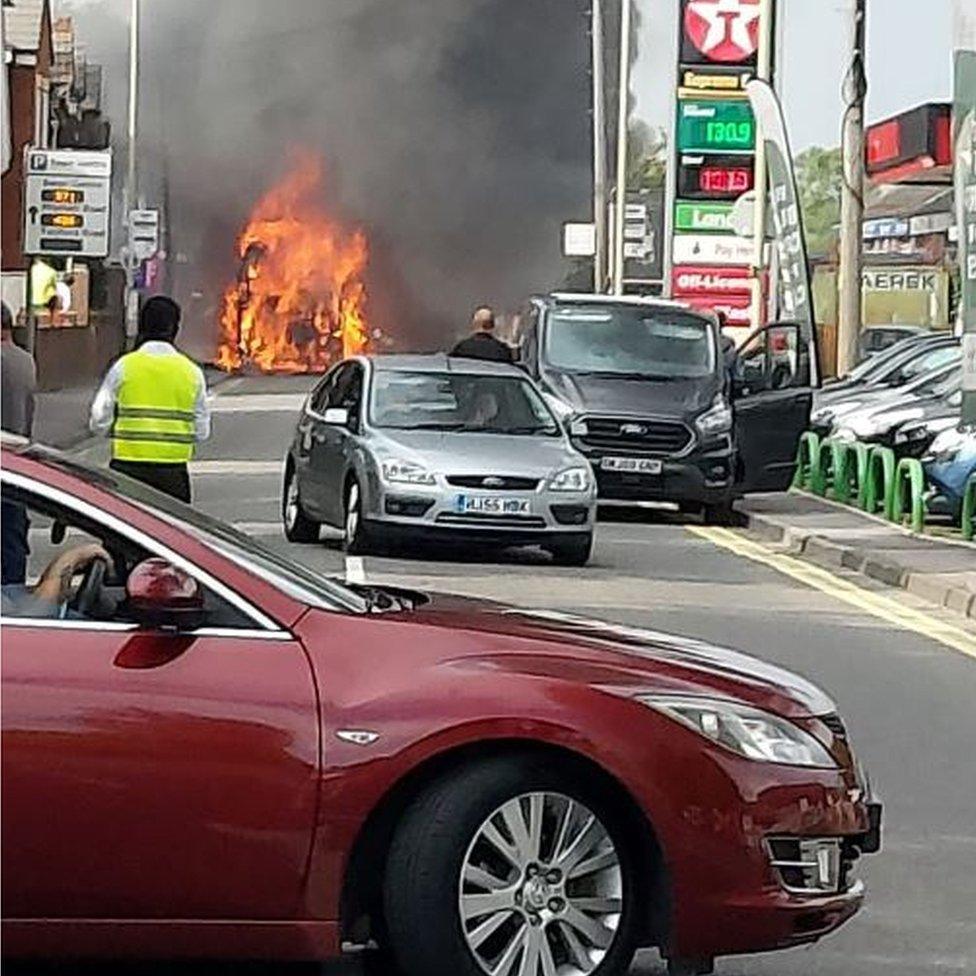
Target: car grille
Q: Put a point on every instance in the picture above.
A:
(493, 482)
(500, 521)
(636, 435)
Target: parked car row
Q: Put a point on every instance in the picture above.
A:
(625, 400)
(901, 398)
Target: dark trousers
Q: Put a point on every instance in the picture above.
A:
(171, 479)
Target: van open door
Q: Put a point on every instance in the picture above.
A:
(775, 373)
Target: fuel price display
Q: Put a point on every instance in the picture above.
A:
(714, 177)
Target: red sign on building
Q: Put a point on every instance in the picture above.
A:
(720, 31)
(909, 144)
(692, 280)
(737, 309)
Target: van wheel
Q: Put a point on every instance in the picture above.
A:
(512, 865)
(571, 550)
(298, 526)
(719, 513)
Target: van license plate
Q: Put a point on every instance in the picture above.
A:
(632, 465)
(491, 505)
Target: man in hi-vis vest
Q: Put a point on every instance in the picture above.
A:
(153, 404)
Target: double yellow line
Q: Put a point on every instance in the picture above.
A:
(878, 605)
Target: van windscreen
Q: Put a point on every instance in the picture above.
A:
(626, 340)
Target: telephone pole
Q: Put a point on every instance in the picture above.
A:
(623, 111)
(852, 199)
(130, 191)
(599, 151)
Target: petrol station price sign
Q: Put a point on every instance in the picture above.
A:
(713, 125)
(714, 177)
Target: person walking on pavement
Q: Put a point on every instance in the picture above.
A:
(153, 404)
(482, 344)
(18, 384)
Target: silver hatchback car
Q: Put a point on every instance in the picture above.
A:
(430, 447)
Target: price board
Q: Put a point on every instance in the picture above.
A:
(715, 177)
(715, 126)
(67, 198)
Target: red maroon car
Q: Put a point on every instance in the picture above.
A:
(210, 751)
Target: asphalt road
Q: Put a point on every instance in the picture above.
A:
(910, 701)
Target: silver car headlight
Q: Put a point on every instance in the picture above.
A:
(570, 479)
(406, 473)
(744, 730)
(716, 420)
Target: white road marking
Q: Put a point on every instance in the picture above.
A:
(355, 569)
(236, 467)
(258, 403)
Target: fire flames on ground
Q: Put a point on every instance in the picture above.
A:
(299, 301)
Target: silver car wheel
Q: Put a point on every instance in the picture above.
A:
(352, 514)
(541, 889)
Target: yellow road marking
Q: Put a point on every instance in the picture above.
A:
(878, 605)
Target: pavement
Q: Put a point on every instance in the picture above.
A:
(902, 670)
(938, 569)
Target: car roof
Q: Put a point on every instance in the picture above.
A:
(598, 299)
(439, 362)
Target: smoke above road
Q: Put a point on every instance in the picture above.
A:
(457, 133)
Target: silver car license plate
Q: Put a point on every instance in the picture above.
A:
(491, 505)
(632, 465)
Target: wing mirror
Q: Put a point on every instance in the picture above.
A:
(160, 595)
(336, 416)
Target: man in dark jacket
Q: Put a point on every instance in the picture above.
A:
(481, 344)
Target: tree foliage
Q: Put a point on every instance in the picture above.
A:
(819, 175)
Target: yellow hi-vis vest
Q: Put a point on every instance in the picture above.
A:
(154, 419)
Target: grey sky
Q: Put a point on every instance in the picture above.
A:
(909, 61)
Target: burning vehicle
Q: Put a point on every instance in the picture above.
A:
(298, 302)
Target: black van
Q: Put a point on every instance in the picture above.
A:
(662, 405)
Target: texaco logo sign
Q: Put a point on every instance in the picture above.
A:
(724, 31)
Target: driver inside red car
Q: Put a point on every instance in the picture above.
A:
(48, 598)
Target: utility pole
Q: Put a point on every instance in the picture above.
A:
(130, 198)
(852, 199)
(623, 112)
(599, 151)
(763, 71)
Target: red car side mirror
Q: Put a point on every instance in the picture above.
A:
(159, 594)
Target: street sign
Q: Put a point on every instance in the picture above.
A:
(143, 233)
(715, 125)
(694, 215)
(67, 200)
(579, 240)
(698, 279)
(712, 249)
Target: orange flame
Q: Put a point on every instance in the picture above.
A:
(299, 301)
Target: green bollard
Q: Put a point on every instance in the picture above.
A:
(968, 520)
(880, 488)
(910, 474)
(807, 459)
(831, 472)
(861, 454)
